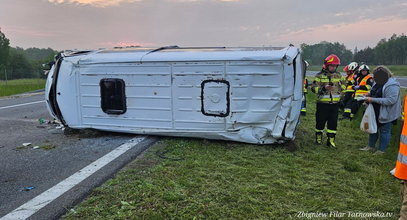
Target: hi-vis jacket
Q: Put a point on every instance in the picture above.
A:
(350, 81)
(324, 78)
(401, 164)
(365, 84)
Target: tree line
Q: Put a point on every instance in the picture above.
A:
(392, 51)
(18, 63)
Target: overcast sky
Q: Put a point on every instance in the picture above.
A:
(92, 24)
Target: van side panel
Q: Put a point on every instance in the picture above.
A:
(249, 95)
(148, 95)
(187, 92)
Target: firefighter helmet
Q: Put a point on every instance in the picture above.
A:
(346, 68)
(364, 67)
(353, 66)
(331, 60)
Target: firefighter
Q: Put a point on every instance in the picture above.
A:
(328, 85)
(362, 88)
(305, 91)
(304, 98)
(349, 92)
(401, 166)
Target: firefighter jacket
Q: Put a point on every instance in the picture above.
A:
(365, 84)
(325, 78)
(350, 82)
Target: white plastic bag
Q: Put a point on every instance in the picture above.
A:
(368, 123)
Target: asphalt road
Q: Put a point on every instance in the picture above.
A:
(27, 172)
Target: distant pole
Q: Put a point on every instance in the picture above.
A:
(5, 74)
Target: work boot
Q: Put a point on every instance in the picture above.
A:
(318, 137)
(330, 141)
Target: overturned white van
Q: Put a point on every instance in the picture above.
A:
(249, 95)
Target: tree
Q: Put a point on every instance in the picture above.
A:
(388, 52)
(315, 54)
(366, 56)
(4, 51)
(19, 65)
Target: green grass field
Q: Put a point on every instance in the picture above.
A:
(398, 70)
(182, 178)
(12, 87)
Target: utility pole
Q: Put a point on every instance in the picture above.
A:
(5, 74)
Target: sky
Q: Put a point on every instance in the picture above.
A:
(93, 24)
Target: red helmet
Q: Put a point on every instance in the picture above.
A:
(332, 60)
(346, 68)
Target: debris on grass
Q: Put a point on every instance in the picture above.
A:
(47, 147)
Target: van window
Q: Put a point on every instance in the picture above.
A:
(215, 100)
(113, 96)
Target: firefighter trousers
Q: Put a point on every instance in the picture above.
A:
(327, 114)
(347, 103)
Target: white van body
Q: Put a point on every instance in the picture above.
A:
(250, 95)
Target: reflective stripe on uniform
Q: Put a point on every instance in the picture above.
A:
(403, 139)
(329, 100)
(347, 110)
(316, 130)
(361, 92)
(402, 159)
(331, 131)
(322, 80)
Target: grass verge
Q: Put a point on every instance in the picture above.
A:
(181, 178)
(12, 87)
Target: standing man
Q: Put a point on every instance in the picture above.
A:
(328, 86)
(401, 165)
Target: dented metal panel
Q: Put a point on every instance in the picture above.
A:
(250, 95)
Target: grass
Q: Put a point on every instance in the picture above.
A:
(181, 178)
(398, 70)
(47, 147)
(12, 87)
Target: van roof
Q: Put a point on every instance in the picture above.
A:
(175, 53)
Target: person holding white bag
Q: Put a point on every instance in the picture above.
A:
(385, 98)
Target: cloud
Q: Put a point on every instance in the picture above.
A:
(96, 3)
(106, 3)
(110, 44)
(28, 32)
(361, 33)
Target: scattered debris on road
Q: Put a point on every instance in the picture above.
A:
(28, 188)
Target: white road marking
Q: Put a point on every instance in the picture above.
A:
(28, 103)
(35, 204)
